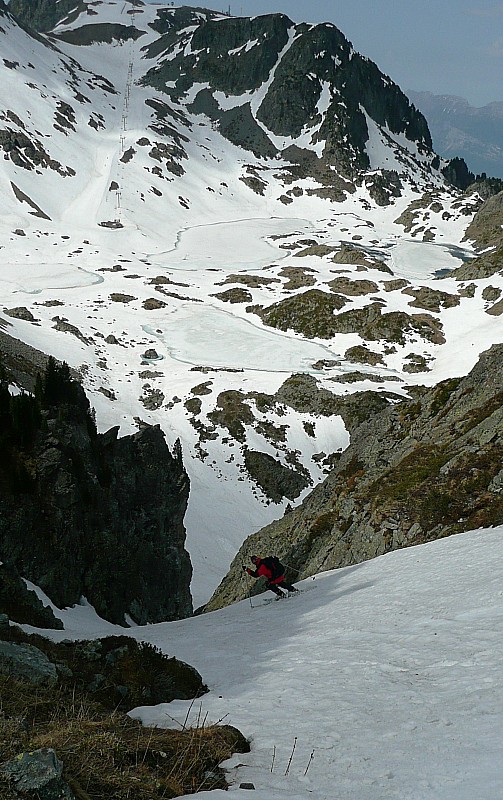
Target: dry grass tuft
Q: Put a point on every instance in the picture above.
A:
(107, 754)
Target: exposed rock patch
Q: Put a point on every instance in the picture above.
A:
(235, 295)
(20, 312)
(297, 277)
(252, 281)
(153, 304)
(362, 355)
(431, 299)
(349, 254)
(352, 288)
(496, 310)
(484, 266)
(485, 228)
(310, 313)
(420, 469)
(120, 297)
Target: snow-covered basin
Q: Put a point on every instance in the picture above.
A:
(382, 681)
(421, 260)
(35, 277)
(233, 245)
(215, 337)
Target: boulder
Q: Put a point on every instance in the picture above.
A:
(27, 661)
(38, 775)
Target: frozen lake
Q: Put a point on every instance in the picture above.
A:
(236, 245)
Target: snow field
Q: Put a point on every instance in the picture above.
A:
(387, 672)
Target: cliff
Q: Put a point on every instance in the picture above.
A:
(92, 515)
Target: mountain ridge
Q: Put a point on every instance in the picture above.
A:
(461, 129)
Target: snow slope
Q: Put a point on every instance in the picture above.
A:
(380, 682)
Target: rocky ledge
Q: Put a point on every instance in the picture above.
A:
(419, 470)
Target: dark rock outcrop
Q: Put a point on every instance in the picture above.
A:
(21, 604)
(319, 82)
(43, 15)
(275, 480)
(312, 314)
(420, 470)
(457, 173)
(117, 671)
(90, 515)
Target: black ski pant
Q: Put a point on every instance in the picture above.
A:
(277, 587)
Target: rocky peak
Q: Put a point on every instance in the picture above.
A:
(270, 84)
(277, 89)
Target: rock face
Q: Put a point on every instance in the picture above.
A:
(21, 604)
(89, 515)
(485, 229)
(42, 15)
(235, 56)
(419, 470)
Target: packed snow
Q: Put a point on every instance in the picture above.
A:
(381, 681)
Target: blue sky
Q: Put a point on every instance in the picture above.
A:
(442, 46)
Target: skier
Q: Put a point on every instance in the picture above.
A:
(273, 570)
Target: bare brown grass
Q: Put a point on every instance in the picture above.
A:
(108, 754)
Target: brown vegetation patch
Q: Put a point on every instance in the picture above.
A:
(107, 754)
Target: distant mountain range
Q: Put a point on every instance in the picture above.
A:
(459, 129)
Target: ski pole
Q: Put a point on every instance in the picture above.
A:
(247, 588)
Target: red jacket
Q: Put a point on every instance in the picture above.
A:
(263, 570)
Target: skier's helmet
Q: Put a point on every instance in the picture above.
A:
(255, 559)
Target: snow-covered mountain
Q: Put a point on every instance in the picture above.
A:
(196, 209)
(460, 129)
